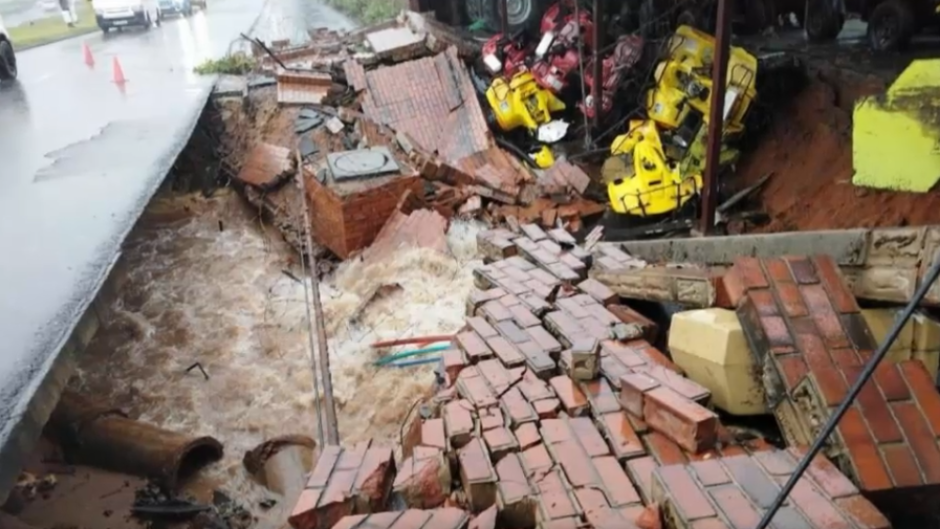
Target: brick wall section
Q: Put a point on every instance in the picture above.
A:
(447, 518)
(345, 482)
(423, 228)
(804, 327)
(733, 492)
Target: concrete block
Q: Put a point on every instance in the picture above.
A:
(709, 345)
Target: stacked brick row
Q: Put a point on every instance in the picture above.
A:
(809, 337)
(558, 412)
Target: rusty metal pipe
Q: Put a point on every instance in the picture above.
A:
(716, 117)
(323, 353)
(95, 435)
(598, 39)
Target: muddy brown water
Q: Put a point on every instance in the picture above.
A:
(196, 293)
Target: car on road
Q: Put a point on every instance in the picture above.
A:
(180, 7)
(110, 14)
(7, 56)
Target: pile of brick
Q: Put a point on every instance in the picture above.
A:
(556, 411)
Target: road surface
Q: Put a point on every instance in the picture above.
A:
(80, 157)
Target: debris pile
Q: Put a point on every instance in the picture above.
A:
(555, 409)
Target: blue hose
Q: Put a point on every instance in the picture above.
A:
(411, 363)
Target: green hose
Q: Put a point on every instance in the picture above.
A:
(385, 360)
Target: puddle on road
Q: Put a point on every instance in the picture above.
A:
(198, 293)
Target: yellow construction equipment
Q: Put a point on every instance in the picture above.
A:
(679, 102)
(521, 102)
(641, 181)
(896, 135)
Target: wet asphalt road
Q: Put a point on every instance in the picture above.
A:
(80, 157)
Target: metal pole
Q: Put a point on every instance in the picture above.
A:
(867, 373)
(716, 117)
(598, 39)
(504, 17)
(587, 128)
(323, 353)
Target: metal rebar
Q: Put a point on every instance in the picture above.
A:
(587, 125)
(597, 38)
(504, 17)
(315, 324)
(716, 117)
(856, 388)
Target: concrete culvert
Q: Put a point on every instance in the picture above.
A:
(95, 435)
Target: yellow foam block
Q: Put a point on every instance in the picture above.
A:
(880, 322)
(710, 346)
(926, 333)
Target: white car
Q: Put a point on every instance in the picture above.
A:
(119, 13)
(7, 57)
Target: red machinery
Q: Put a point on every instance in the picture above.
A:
(614, 67)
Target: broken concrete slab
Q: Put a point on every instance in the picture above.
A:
(396, 43)
(266, 166)
(421, 229)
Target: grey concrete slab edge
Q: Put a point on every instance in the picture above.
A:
(847, 247)
(40, 395)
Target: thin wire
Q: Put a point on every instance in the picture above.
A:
(867, 373)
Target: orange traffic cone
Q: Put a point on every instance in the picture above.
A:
(118, 73)
(86, 52)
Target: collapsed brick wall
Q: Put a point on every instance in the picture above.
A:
(556, 412)
(810, 339)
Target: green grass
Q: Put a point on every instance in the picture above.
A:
(235, 64)
(52, 28)
(370, 11)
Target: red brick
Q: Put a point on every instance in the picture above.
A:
(619, 490)
(830, 328)
(481, 327)
(627, 315)
(545, 340)
(432, 434)
(625, 354)
(862, 512)
(622, 438)
(496, 375)
(802, 270)
(792, 369)
(864, 455)
(534, 388)
(844, 357)
(473, 345)
(663, 449)
(730, 290)
(587, 436)
(527, 435)
(473, 387)
(842, 298)
(778, 336)
(681, 385)
(633, 389)
(304, 514)
(494, 311)
(831, 385)
(555, 501)
(536, 460)
(920, 439)
(454, 361)
(709, 523)
(891, 383)
(652, 354)
(764, 302)
(523, 317)
(826, 476)
(820, 511)
(505, 351)
(778, 271)
(575, 463)
(458, 422)
(690, 425)
(490, 418)
(640, 471)
(709, 472)
(901, 465)
(324, 467)
(750, 271)
(874, 408)
(811, 344)
(477, 475)
(688, 499)
(926, 395)
(500, 441)
(752, 479)
(547, 408)
(775, 462)
(791, 300)
(601, 397)
(735, 506)
(517, 408)
(598, 291)
(571, 397)
(512, 332)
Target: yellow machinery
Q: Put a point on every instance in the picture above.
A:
(896, 135)
(521, 102)
(641, 181)
(680, 101)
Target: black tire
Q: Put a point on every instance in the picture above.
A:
(891, 26)
(821, 22)
(524, 15)
(7, 61)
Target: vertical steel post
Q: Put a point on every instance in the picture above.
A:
(716, 117)
(504, 17)
(598, 90)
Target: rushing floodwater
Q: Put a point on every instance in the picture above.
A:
(220, 298)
